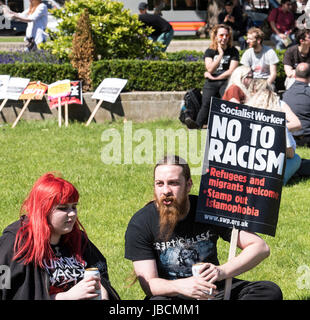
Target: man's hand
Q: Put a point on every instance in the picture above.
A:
(196, 287)
(211, 273)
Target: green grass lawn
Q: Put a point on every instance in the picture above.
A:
(12, 38)
(111, 193)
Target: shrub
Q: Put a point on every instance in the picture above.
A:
(83, 50)
(116, 32)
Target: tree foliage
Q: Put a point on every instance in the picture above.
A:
(117, 33)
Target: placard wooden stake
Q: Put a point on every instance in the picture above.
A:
(232, 254)
(66, 114)
(3, 104)
(94, 112)
(21, 113)
(59, 111)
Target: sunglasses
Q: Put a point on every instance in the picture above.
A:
(221, 36)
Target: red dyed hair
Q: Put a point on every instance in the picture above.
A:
(32, 242)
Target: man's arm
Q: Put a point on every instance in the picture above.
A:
(152, 285)
(273, 74)
(254, 250)
(289, 71)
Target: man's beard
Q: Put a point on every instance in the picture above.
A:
(169, 215)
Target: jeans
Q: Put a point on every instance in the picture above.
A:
(165, 38)
(292, 165)
(240, 290)
(278, 41)
(209, 90)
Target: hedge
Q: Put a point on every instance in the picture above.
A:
(142, 75)
(150, 75)
(44, 72)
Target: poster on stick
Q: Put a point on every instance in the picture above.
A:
(34, 91)
(4, 81)
(109, 89)
(59, 89)
(15, 87)
(243, 169)
(75, 96)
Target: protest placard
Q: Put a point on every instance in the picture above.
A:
(33, 91)
(108, 90)
(243, 168)
(15, 87)
(57, 90)
(4, 81)
(75, 96)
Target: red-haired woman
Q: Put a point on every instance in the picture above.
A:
(47, 250)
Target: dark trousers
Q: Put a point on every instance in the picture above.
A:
(241, 290)
(302, 141)
(210, 89)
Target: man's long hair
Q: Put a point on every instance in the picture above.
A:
(32, 244)
(177, 161)
(214, 30)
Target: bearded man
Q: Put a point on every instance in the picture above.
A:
(163, 241)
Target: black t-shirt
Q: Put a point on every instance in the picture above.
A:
(191, 242)
(293, 57)
(64, 270)
(155, 21)
(229, 54)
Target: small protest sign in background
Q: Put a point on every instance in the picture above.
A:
(75, 96)
(108, 90)
(33, 91)
(58, 90)
(243, 168)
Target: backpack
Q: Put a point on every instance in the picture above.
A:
(191, 106)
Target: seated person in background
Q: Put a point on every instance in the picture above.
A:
(163, 241)
(233, 17)
(295, 55)
(267, 99)
(260, 58)
(47, 251)
(238, 86)
(163, 31)
(298, 98)
(282, 23)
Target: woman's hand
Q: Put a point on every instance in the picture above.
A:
(85, 289)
